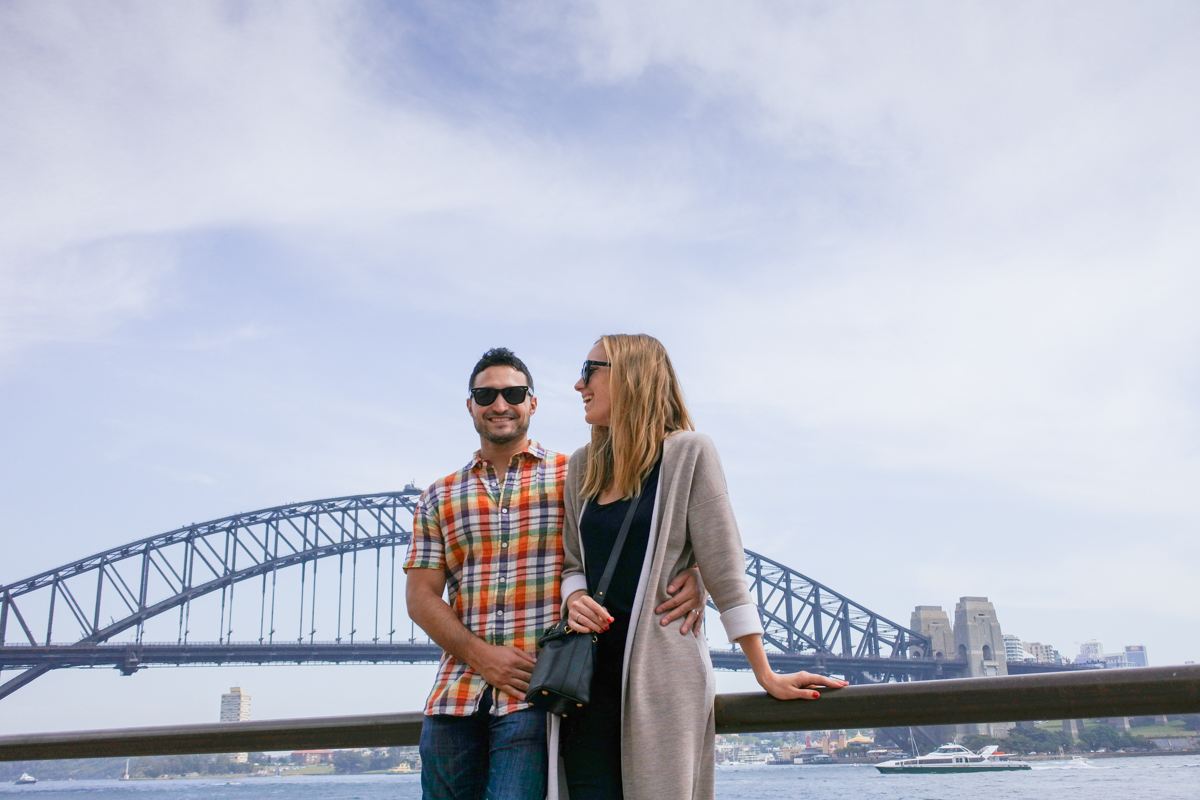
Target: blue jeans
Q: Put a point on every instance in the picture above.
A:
(464, 757)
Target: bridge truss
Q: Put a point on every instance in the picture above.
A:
(252, 580)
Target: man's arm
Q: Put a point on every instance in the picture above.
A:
(506, 668)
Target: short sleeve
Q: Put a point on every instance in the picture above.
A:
(427, 550)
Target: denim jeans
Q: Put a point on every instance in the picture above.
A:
(481, 756)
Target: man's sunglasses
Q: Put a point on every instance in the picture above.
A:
(589, 367)
(513, 395)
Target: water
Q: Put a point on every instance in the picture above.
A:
(1157, 777)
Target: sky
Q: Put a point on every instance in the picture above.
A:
(926, 273)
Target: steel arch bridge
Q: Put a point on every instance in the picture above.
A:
(143, 604)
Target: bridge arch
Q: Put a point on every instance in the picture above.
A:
(57, 618)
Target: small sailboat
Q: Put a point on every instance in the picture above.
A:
(25, 779)
(125, 777)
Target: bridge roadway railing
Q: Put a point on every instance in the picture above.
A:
(129, 657)
(1099, 693)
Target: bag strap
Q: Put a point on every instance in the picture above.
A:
(611, 566)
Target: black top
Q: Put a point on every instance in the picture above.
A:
(598, 530)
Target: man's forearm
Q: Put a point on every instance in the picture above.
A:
(435, 616)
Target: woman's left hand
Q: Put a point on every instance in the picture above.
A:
(798, 685)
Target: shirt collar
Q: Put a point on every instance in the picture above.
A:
(532, 450)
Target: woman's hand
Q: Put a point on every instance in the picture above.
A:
(797, 686)
(585, 614)
(688, 597)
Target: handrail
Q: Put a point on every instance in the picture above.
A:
(1139, 691)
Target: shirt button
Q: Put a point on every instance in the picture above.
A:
(504, 544)
(500, 613)
(502, 579)
(504, 511)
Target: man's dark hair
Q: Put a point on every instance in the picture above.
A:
(500, 357)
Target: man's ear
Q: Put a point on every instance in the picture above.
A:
(532, 405)
(470, 410)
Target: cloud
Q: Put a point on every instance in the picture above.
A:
(134, 123)
(78, 293)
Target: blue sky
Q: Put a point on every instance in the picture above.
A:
(929, 276)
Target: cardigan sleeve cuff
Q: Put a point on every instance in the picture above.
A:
(741, 621)
(570, 585)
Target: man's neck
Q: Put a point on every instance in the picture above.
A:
(500, 455)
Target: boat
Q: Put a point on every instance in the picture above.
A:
(25, 779)
(953, 758)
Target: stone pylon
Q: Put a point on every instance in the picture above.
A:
(978, 640)
(933, 622)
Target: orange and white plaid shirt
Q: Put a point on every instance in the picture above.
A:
(499, 541)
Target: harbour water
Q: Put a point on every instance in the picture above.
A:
(1156, 777)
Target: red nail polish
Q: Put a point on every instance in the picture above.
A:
(816, 695)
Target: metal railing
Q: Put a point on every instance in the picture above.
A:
(1100, 693)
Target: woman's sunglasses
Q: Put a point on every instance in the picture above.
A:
(513, 395)
(589, 367)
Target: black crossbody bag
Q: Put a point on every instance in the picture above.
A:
(562, 676)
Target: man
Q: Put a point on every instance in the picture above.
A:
(492, 534)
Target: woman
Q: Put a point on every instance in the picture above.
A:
(648, 731)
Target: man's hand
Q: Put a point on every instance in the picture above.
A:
(688, 598)
(506, 668)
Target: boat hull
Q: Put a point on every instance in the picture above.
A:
(914, 770)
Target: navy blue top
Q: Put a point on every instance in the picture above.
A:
(598, 531)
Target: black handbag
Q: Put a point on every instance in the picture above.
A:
(562, 676)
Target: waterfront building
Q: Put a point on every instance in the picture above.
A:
(312, 757)
(1091, 649)
(235, 707)
(1114, 661)
(1042, 653)
(1014, 649)
(1135, 656)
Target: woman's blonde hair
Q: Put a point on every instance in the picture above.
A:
(647, 406)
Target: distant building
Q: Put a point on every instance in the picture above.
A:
(1091, 649)
(1014, 649)
(312, 756)
(1135, 655)
(1042, 653)
(1114, 661)
(235, 707)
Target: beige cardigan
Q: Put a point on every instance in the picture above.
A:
(667, 705)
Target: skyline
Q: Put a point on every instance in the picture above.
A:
(928, 278)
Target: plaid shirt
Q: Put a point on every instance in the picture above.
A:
(500, 545)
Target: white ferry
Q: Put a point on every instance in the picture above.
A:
(25, 778)
(953, 758)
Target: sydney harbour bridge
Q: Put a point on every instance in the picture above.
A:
(319, 582)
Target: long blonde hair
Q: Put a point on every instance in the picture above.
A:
(647, 406)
